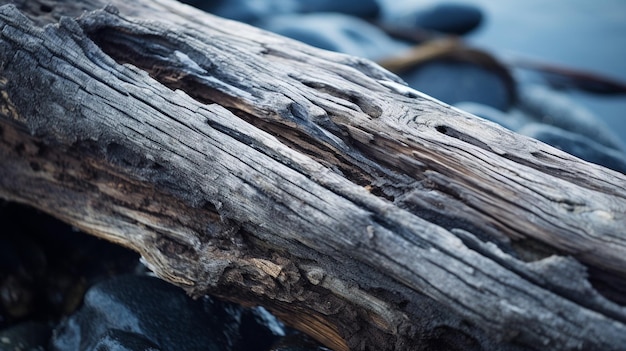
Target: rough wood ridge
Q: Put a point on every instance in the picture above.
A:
(250, 166)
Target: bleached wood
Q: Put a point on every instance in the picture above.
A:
(250, 166)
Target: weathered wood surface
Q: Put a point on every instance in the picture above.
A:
(246, 165)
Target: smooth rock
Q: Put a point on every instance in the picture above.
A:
(358, 8)
(46, 265)
(162, 314)
(454, 82)
(141, 312)
(28, 336)
(206, 5)
(335, 32)
(553, 108)
(577, 145)
(251, 11)
(259, 329)
(444, 17)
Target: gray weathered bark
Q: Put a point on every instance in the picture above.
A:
(253, 167)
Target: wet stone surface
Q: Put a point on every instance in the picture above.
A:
(141, 311)
(46, 265)
(470, 82)
(25, 336)
(64, 290)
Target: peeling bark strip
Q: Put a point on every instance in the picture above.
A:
(246, 165)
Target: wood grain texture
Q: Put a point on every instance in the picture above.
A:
(253, 167)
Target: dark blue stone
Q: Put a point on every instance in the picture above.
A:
(553, 108)
(252, 11)
(335, 32)
(450, 18)
(151, 312)
(359, 8)
(577, 145)
(206, 5)
(146, 313)
(456, 82)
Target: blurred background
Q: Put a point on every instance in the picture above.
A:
(589, 35)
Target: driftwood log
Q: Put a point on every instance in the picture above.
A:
(252, 167)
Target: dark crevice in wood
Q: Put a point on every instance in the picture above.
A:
(160, 68)
(46, 8)
(319, 151)
(602, 283)
(353, 97)
(530, 250)
(454, 222)
(154, 55)
(123, 156)
(169, 246)
(170, 61)
(452, 339)
(608, 285)
(451, 132)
